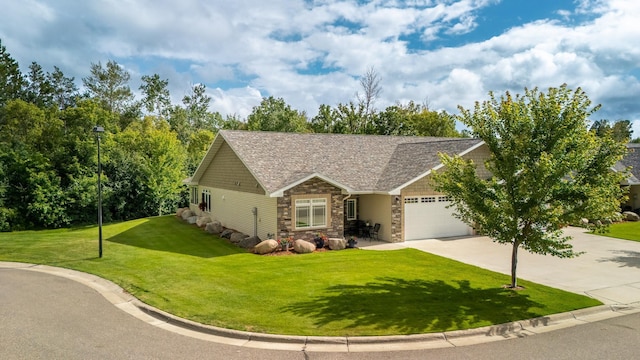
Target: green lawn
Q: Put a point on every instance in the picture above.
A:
(179, 268)
(624, 230)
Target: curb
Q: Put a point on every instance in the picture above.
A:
(156, 317)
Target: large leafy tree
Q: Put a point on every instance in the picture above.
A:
(276, 115)
(415, 119)
(548, 170)
(144, 169)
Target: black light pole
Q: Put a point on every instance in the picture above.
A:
(98, 130)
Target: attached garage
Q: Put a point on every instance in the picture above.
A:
(427, 217)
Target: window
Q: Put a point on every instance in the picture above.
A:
(206, 200)
(428, 199)
(311, 213)
(194, 195)
(444, 199)
(411, 200)
(351, 209)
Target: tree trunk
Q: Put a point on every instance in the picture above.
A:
(514, 264)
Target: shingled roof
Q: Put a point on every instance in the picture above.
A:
(356, 163)
(632, 160)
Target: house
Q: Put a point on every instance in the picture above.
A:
(292, 184)
(631, 161)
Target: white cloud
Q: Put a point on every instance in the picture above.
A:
(236, 101)
(271, 48)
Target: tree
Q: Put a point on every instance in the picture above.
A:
(275, 115)
(64, 90)
(547, 171)
(156, 98)
(196, 105)
(370, 83)
(39, 90)
(415, 119)
(110, 86)
(12, 82)
(620, 130)
(144, 167)
(326, 121)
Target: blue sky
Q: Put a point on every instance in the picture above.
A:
(441, 52)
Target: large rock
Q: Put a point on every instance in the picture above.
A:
(236, 237)
(213, 227)
(303, 247)
(249, 242)
(186, 214)
(180, 211)
(226, 233)
(337, 244)
(192, 219)
(203, 221)
(266, 247)
(630, 216)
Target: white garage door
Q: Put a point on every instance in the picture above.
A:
(427, 217)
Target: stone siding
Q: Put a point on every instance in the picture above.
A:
(396, 219)
(311, 188)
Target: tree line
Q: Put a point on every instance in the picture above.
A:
(48, 152)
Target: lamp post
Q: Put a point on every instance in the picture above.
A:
(98, 130)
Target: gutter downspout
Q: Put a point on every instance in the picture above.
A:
(254, 211)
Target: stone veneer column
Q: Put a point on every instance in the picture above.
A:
(396, 218)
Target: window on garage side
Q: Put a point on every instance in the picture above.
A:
(311, 213)
(351, 209)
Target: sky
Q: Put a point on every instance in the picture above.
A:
(443, 53)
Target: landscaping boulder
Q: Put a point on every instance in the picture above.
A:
(213, 227)
(192, 219)
(226, 233)
(630, 216)
(303, 247)
(180, 211)
(249, 242)
(203, 221)
(584, 221)
(266, 247)
(236, 237)
(337, 244)
(186, 214)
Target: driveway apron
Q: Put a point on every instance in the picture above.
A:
(608, 270)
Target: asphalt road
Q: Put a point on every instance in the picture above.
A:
(43, 316)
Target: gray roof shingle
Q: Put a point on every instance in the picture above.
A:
(361, 163)
(632, 159)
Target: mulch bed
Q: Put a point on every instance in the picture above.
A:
(291, 252)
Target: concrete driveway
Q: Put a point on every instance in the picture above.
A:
(609, 270)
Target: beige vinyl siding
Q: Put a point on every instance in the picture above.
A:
(424, 186)
(233, 210)
(226, 171)
(377, 209)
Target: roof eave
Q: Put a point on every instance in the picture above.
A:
(280, 192)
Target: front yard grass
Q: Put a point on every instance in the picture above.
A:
(179, 268)
(627, 230)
